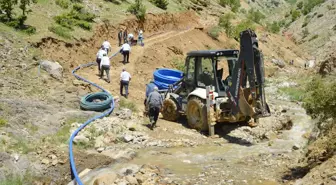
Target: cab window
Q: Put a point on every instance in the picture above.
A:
(205, 72)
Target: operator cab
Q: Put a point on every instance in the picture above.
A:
(211, 67)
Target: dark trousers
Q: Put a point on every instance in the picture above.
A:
(120, 41)
(105, 68)
(98, 60)
(126, 56)
(153, 115)
(122, 85)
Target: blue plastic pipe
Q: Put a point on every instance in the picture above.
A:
(74, 134)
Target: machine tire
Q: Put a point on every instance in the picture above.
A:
(197, 115)
(170, 110)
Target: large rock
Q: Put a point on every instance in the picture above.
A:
(106, 179)
(80, 139)
(53, 68)
(132, 180)
(278, 62)
(124, 113)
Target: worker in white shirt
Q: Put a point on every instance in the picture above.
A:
(100, 56)
(140, 37)
(125, 50)
(105, 66)
(130, 38)
(125, 78)
(107, 46)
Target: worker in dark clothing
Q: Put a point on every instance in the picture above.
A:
(154, 102)
(120, 37)
(125, 35)
(149, 89)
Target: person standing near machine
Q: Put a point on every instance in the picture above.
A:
(154, 103)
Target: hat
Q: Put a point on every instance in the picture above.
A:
(156, 88)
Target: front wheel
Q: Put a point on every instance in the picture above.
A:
(197, 115)
(170, 110)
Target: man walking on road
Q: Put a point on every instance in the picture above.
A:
(125, 50)
(149, 89)
(154, 102)
(100, 56)
(107, 46)
(120, 37)
(125, 78)
(105, 66)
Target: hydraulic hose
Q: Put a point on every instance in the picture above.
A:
(74, 134)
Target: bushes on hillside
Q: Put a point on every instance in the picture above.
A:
(320, 101)
(138, 9)
(78, 16)
(295, 15)
(273, 27)
(160, 3)
(310, 4)
(7, 6)
(63, 3)
(60, 31)
(255, 15)
(214, 32)
(234, 31)
(225, 22)
(234, 4)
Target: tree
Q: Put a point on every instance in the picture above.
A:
(225, 22)
(138, 9)
(295, 14)
(8, 6)
(23, 7)
(160, 3)
(274, 27)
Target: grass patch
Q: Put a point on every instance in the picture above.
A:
(20, 145)
(214, 32)
(32, 128)
(3, 122)
(178, 64)
(60, 31)
(124, 103)
(313, 37)
(294, 93)
(63, 3)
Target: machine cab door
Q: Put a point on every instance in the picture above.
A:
(190, 77)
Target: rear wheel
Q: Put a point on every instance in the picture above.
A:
(197, 115)
(169, 110)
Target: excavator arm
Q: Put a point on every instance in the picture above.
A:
(248, 68)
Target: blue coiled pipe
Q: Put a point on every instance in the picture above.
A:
(74, 134)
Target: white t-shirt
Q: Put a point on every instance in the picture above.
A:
(106, 44)
(100, 53)
(105, 61)
(126, 47)
(125, 76)
(130, 36)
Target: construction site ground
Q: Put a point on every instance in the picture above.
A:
(175, 154)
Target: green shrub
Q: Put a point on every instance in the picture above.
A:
(3, 122)
(299, 5)
(77, 1)
(245, 24)
(63, 3)
(255, 15)
(310, 4)
(295, 15)
(294, 93)
(234, 4)
(138, 9)
(320, 100)
(84, 25)
(65, 20)
(214, 32)
(273, 27)
(61, 31)
(225, 22)
(160, 3)
(242, 10)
